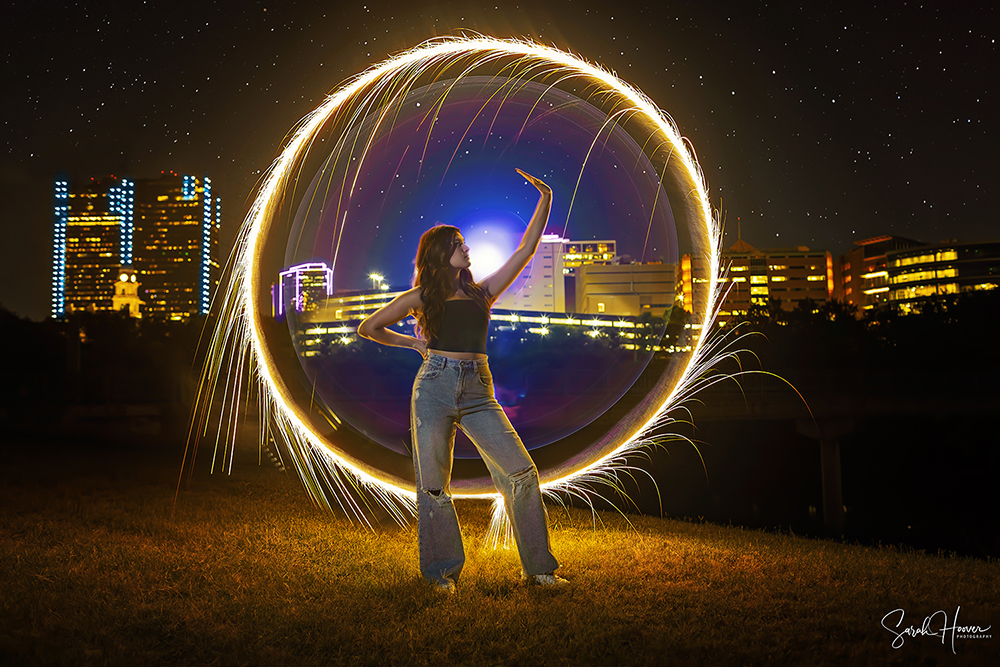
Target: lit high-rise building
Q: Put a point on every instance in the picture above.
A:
(544, 284)
(176, 242)
(302, 288)
(92, 240)
(541, 286)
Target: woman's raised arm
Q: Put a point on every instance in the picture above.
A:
(374, 327)
(502, 278)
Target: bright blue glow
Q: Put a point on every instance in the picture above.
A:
(128, 207)
(189, 188)
(492, 236)
(206, 257)
(61, 211)
(122, 204)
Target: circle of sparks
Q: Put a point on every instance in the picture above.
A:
(239, 337)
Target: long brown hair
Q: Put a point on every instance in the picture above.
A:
(433, 277)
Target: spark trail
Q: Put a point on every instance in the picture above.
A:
(361, 109)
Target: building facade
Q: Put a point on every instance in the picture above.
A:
(548, 283)
(302, 288)
(861, 277)
(625, 289)
(582, 253)
(790, 275)
(541, 287)
(914, 275)
(176, 243)
(92, 239)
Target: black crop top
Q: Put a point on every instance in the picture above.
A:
(463, 328)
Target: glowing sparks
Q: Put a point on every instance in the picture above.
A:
(240, 342)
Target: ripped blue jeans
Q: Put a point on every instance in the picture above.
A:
(449, 393)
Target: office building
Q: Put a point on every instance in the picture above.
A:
(581, 253)
(789, 275)
(913, 275)
(541, 287)
(548, 283)
(624, 289)
(861, 277)
(302, 288)
(177, 221)
(92, 240)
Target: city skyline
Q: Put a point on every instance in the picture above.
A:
(815, 127)
(162, 231)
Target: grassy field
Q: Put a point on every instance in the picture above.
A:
(94, 570)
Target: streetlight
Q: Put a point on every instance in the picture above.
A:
(375, 278)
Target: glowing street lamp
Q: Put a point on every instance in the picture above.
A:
(375, 278)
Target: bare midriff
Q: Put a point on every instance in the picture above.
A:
(461, 356)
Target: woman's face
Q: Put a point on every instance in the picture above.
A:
(459, 253)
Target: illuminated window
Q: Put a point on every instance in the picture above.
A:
(777, 267)
(920, 276)
(814, 279)
(600, 307)
(778, 279)
(758, 290)
(758, 280)
(941, 256)
(739, 268)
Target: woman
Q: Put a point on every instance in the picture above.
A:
(454, 388)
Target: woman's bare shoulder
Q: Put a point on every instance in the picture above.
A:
(411, 299)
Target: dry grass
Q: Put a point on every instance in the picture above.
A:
(93, 570)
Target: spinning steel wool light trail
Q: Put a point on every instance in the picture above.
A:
(349, 136)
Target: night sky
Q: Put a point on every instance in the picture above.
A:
(815, 123)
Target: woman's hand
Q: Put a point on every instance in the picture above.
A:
(538, 183)
(421, 347)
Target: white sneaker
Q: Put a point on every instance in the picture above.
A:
(445, 587)
(549, 580)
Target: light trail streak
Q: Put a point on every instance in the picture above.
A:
(238, 342)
